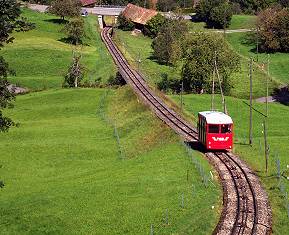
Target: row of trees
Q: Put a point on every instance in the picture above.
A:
(197, 53)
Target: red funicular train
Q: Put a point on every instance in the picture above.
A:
(215, 130)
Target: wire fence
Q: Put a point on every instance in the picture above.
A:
(276, 170)
(101, 112)
(185, 201)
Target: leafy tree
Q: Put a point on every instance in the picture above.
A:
(6, 97)
(75, 30)
(124, 23)
(166, 5)
(169, 45)
(65, 8)
(199, 62)
(9, 22)
(216, 13)
(75, 72)
(273, 33)
(154, 25)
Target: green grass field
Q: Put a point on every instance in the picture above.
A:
(41, 60)
(278, 138)
(279, 69)
(135, 47)
(63, 174)
(243, 22)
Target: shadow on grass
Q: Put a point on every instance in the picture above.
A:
(71, 41)
(57, 21)
(154, 59)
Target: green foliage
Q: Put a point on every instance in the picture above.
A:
(65, 8)
(124, 23)
(116, 80)
(169, 45)
(273, 33)
(198, 68)
(166, 5)
(154, 25)
(75, 72)
(168, 84)
(75, 30)
(216, 13)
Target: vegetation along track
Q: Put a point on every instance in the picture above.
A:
(246, 207)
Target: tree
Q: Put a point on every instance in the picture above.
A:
(75, 72)
(169, 45)
(124, 23)
(154, 25)
(216, 13)
(65, 8)
(166, 5)
(273, 33)
(9, 22)
(75, 30)
(199, 63)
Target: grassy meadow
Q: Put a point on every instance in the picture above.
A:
(40, 57)
(63, 173)
(278, 138)
(279, 69)
(138, 46)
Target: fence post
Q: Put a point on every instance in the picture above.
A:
(152, 229)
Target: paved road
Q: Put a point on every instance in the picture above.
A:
(94, 10)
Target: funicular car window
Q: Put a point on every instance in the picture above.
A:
(213, 128)
(226, 128)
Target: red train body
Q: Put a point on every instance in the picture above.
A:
(215, 130)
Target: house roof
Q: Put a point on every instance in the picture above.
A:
(87, 2)
(138, 14)
(213, 117)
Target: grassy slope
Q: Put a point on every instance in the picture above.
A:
(278, 138)
(63, 174)
(279, 68)
(242, 22)
(40, 59)
(135, 46)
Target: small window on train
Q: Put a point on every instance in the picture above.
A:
(213, 128)
(226, 128)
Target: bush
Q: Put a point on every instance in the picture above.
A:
(116, 81)
(74, 30)
(167, 84)
(124, 23)
(154, 25)
(216, 13)
(169, 45)
(199, 63)
(273, 33)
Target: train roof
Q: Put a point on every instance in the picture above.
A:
(214, 117)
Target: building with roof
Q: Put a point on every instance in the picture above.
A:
(88, 3)
(138, 15)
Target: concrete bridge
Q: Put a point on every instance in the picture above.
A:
(100, 11)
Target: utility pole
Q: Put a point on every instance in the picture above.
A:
(267, 84)
(257, 44)
(213, 85)
(221, 89)
(266, 145)
(251, 105)
(138, 62)
(182, 90)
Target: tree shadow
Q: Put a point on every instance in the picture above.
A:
(69, 40)
(154, 59)
(281, 95)
(57, 21)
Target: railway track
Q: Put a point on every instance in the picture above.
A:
(246, 205)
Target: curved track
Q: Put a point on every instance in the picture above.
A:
(246, 206)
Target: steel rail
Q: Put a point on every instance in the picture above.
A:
(177, 123)
(246, 208)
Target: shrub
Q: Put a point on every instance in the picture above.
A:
(124, 23)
